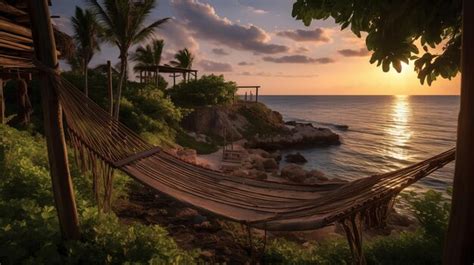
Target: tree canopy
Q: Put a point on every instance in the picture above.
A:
(396, 29)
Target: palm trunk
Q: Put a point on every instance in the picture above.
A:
(459, 245)
(121, 84)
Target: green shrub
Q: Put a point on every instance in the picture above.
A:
(187, 141)
(423, 246)
(209, 90)
(29, 229)
(432, 211)
(263, 121)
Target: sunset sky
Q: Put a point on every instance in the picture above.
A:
(257, 42)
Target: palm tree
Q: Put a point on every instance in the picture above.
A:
(184, 59)
(148, 56)
(123, 25)
(86, 30)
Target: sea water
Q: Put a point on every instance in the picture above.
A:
(384, 133)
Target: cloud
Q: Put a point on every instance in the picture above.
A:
(256, 10)
(243, 63)
(177, 36)
(220, 51)
(301, 49)
(278, 74)
(316, 35)
(203, 21)
(211, 66)
(354, 53)
(298, 59)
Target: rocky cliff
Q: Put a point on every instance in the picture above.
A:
(260, 126)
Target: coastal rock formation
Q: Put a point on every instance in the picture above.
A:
(219, 121)
(295, 158)
(301, 136)
(294, 173)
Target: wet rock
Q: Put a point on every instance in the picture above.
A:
(276, 155)
(270, 164)
(341, 127)
(319, 175)
(291, 123)
(295, 158)
(259, 152)
(257, 174)
(301, 136)
(293, 172)
(188, 155)
(242, 173)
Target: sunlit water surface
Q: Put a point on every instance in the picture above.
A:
(385, 132)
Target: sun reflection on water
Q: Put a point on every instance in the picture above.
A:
(399, 132)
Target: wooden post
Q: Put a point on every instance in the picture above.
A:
(2, 104)
(174, 79)
(110, 88)
(256, 94)
(45, 50)
(141, 76)
(459, 246)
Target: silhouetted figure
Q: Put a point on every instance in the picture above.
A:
(24, 105)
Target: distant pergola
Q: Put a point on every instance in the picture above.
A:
(150, 73)
(254, 87)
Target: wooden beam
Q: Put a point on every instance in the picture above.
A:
(14, 28)
(13, 61)
(45, 50)
(15, 46)
(110, 88)
(256, 94)
(15, 37)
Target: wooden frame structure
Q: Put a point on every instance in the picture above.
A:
(256, 91)
(27, 39)
(149, 74)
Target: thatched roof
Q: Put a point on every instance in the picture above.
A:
(64, 44)
(16, 44)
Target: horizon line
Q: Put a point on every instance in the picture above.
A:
(352, 95)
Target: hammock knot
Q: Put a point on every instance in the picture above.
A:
(55, 71)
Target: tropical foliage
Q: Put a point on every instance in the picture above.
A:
(123, 24)
(209, 90)
(394, 30)
(150, 55)
(86, 31)
(423, 246)
(29, 230)
(183, 59)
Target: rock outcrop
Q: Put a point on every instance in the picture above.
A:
(220, 121)
(295, 158)
(301, 136)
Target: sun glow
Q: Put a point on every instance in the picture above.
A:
(399, 131)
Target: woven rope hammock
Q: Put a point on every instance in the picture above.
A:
(102, 144)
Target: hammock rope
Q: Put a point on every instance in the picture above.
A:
(103, 144)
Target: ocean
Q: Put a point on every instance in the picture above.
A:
(385, 133)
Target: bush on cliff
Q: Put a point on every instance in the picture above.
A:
(29, 230)
(209, 90)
